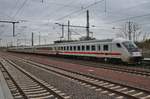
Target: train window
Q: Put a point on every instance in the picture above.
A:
(83, 47)
(93, 47)
(74, 47)
(64, 48)
(67, 48)
(105, 47)
(61, 48)
(118, 45)
(99, 47)
(70, 48)
(78, 48)
(87, 47)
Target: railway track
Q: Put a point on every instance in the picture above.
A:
(121, 68)
(24, 85)
(135, 71)
(114, 89)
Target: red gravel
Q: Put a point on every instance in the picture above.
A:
(133, 80)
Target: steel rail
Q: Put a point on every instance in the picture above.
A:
(89, 76)
(35, 80)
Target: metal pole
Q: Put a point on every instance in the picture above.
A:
(88, 25)
(62, 31)
(13, 28)
(134, 27)
(0, 42)
(129, 30)
(68, 30)
(32, 39)
(39, 39)
(13, 22)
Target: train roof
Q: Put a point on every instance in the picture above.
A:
(78, 42)
(87, 41)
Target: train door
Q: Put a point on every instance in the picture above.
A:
(106, 51)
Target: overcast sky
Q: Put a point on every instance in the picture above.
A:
(40, 16)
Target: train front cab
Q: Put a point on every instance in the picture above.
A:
(130, 53)
(133, 53)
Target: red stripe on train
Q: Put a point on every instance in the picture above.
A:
(103, 53)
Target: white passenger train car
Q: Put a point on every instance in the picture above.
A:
(119, 49)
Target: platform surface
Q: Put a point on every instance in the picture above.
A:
(4, 90)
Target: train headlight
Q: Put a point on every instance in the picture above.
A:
(136, 54)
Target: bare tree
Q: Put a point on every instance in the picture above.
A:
(145, 36)
(130, 30)
(123, 32)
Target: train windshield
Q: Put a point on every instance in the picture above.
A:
(131, 47)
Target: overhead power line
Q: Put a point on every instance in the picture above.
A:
(83, 8)
(61, 4)
(59, 9)
(15, 6)
(20, 8)
(132, 17)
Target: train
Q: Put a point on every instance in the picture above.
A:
(107, 49)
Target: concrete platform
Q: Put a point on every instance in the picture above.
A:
(4, 90)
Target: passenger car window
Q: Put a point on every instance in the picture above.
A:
(74, 47)
(70, 48)
(78, 48)
(83, 47)
(93, 47)
(64, 48)
(87, 47)
(105, 47)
